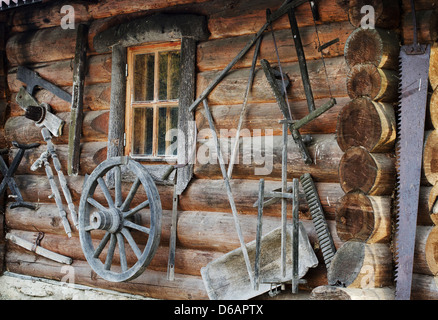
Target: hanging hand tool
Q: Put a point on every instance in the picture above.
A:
(8, 174)
(324, 237)
(41, 114)
(414, 62)
(32, 80)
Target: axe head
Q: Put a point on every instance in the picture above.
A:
(29, 77)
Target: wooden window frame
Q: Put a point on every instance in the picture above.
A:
(187, 28)
(155, 104)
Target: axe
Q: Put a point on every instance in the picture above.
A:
(41, 114)
(32, 79)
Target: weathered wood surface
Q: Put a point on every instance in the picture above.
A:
(387, 13)
(372, 173)
(92, 154)
(197, 230)
(424, 287)
(373, 82)
(250, 163)
(433, 106)
(431, 204)
(257, 119)
(36, 189)
(150, 284)
(231, 89)
(339, 293)
(364, 218)
(360, 265)
(427, 27)
(94, 128)
(366, 123)
(377, 46)
(430, 157)
(61, 73)
(209, 59)
(97, 97)
(188, 261)
(225, 278)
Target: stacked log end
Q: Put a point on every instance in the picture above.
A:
(366, 133)
(424, 283)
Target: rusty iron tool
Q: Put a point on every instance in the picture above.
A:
(32, 80)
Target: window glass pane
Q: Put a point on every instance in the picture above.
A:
(167, 133)
(169, 75)
(143, 131)
(144, 77)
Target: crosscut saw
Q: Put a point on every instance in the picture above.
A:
(414, 63)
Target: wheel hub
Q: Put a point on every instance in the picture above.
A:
(110, 220)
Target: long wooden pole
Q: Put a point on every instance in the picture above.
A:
(229, 192)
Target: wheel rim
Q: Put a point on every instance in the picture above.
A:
(106, 224)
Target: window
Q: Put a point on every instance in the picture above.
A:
(152, 101)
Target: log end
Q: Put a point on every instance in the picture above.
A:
(357, 170)
(430, 157)
(432, 251)
(354, 217)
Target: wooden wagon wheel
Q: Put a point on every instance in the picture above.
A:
(113, 222)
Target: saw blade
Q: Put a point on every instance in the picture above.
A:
(412, 114)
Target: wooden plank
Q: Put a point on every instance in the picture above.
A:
(77, 107)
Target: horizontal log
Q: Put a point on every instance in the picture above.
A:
(96, 98)
(366, 123)
(240, 18)
(250, 163)
(433, 77)
(216, 54)
(187, 261)
(231, 89)
(377, 46)
(23, 130)
(256, 117)
(424, 287)
(339, 293)
(92, 154)
(427, 27)
(376, 83)
(360, 265)
(61, 72)
(153, 284)
(197, 230)
(371, 173)
(364, 218)
(214, 199)
(386, 13)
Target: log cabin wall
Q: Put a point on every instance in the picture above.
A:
(205, 225)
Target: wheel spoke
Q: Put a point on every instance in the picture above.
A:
(131, 242)
(131, 194)
(96, 204)
(101, 245)
(106, 192)
(118, 186)
(122, 252)
(136, 209)
(132, 225)
(110, 255)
